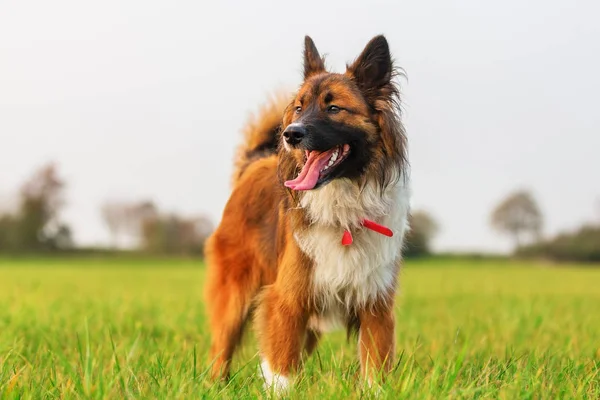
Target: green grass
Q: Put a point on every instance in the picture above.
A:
(465, 329)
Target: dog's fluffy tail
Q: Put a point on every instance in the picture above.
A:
(260, 134)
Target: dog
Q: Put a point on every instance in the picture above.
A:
(311, 237)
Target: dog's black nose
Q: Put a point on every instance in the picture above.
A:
(294, 133)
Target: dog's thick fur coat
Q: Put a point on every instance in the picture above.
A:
(277, 253)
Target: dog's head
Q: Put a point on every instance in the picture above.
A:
(343, 125)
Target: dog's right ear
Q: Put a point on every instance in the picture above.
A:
(313, 62)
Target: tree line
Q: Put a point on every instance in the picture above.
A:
(35, 225)
(520, 217)
(154, 231)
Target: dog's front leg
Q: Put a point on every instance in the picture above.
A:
(281, 320)
(281, 339)
(376, 340)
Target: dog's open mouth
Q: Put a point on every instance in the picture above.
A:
(318, 166)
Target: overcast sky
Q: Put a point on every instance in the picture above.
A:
(145, 99)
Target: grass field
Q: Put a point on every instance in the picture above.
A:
(134, 329)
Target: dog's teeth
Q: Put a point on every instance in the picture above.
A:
(334, 156)
(330, 162)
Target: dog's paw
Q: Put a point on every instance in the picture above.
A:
(273, 382)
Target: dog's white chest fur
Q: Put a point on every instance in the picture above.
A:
(354, 275)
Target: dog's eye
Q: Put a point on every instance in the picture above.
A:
(333, 109)
(298, 110)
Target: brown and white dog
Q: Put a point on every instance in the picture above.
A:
(311, 237)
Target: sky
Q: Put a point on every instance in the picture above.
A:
(146, 100)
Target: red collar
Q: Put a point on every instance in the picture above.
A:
(367, 223)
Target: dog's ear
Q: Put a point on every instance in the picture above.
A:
(313, 63)
(373, 69)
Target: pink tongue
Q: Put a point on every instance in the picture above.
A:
(308, 177)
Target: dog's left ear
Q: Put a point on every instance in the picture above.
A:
(373, 68)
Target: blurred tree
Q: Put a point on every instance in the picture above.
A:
(137, 215)
(422, 229)
(113, 214)
(123, 218)
(35, 225)
(172, 234)
(8, 237)
(582, 245)
(518, 215)
(155, 232)
(41, 200)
